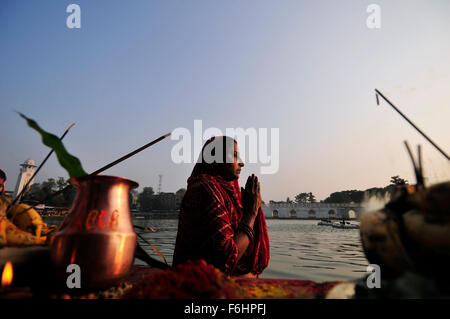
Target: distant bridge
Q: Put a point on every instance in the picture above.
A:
(313, 210)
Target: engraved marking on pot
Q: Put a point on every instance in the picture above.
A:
(101, 220)
(114, 220)
(91, 219)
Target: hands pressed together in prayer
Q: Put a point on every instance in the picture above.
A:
(251, 202)
(251, 199)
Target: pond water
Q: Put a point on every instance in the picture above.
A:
(299, 249)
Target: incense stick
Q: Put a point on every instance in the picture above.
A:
(129, 155)
(417, 166)
(410, 122)
(18, 197)
(105, 167)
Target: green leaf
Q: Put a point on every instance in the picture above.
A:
(141, 254)
(70, 163)
(153, 247)
(145, 228)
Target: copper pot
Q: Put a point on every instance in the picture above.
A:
(98, 233)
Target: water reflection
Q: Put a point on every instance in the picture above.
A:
(299, 249)
(304, 250)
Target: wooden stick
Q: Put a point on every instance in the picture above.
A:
(410, 122)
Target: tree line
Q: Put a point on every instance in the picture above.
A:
(347, 196)
(146, 200)
(39, 192)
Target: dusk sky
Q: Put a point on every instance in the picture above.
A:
(136, 70)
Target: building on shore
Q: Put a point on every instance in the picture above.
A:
(26, 172)
(313, 210)
(162, 202)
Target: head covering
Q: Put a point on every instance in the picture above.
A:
(2, 175)
(209, 233)
(213, 154)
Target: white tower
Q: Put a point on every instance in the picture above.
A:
(27, 170)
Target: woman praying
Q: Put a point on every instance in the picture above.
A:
(219, 221)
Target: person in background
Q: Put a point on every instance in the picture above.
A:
(2, 181)
(220, 222)
(4, 200)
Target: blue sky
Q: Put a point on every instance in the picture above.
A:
(139, 69)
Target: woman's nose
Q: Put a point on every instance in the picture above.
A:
(241, 162)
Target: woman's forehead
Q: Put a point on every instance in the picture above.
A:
(227, 142)
(231, 148)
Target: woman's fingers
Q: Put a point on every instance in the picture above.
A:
(252, 185)
(255, 184)
(248, 183)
